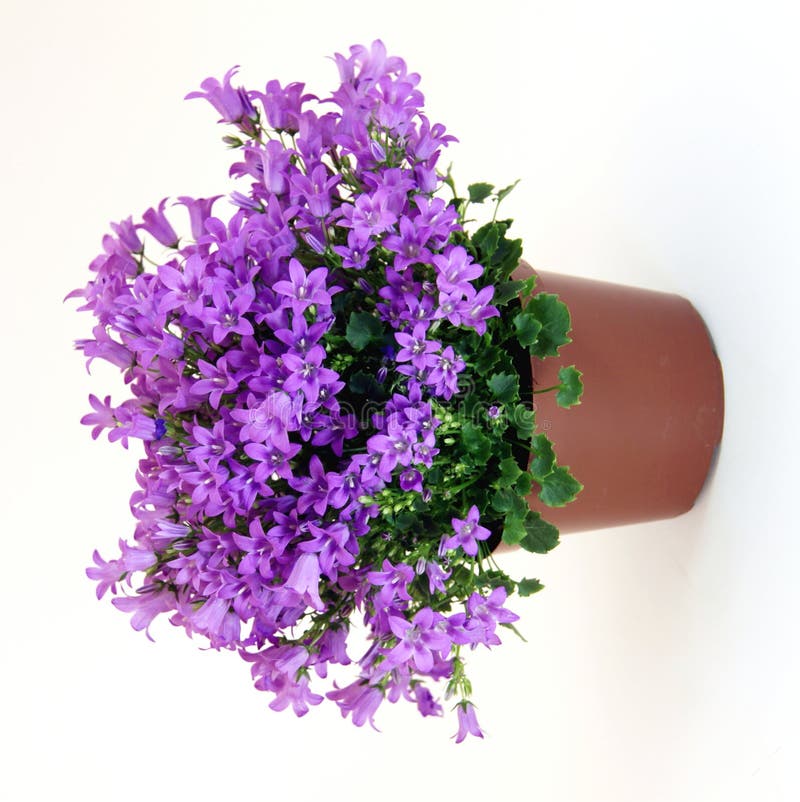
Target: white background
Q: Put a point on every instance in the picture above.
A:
(657, 145)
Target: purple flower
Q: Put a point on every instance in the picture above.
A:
(227, 315)
(313, 488)
(275, 161)
(268, 420)
(475, 309)
(360, 700)
(369, 215)
(416, 349)
(467, 533)
(417, 640)
(217, 382)
(426, 704)
(199, 211)
(393, 581)
(106, 574)
(283, 106)
(304, 290)
(356, 254)
(156, 224)
(409, 244)
(455, 270)
(411, 479)
(306, 374)
(126, 231)
(145, 606)
(304, 580)
(316, 189)
(232, 103)
(444, 374)
(467, 722)
(102, 417)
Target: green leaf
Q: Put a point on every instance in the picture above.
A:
(523, 484)
(506, 256)
(508, 501)
(528, 285)
(527, 587)
(514, 530)
(507, 291)
(540, 536)
(544, 460)
(486, 239)
(475, 442)
(479, 192)
(559, 487)
(509, 472)
(554, 317)
(486, 359)
(524, 421)
(528, 328)
(571, 388)
(362, 329)
(406, 520)
(506, 191)
(504, 387)
(366, 385)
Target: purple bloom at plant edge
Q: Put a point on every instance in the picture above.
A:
(475, 309)
(156, 224)
(467, 722)
(233, 104)
(467, 533)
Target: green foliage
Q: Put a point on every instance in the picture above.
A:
(475, 442)
(513, 530)
(486, 359)
(571, 387)
(544, 459)
(559, 487)
(486, 240)
(479, 192)
(524, 419)
(540, 536)
(528, 328)
(507, 500)
(554, 318)
(364, 384)
(527, 587)
(506, 191)
(509, 472)
(507, 291)
(524, 483)
(363, 329)
(504, 387)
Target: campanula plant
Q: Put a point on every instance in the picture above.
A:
(321, 372)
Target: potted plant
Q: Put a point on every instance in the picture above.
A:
(339, 385)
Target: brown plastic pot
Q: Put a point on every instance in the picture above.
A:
(643, 439)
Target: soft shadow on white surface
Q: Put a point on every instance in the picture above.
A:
(656, 147)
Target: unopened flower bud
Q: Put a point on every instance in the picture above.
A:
(314, 243)
(377, 151)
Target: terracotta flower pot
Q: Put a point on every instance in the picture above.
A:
(643, 439)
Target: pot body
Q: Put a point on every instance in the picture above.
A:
(643, 439)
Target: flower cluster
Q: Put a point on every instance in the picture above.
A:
(323, 385)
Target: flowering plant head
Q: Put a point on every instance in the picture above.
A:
(327, 383)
